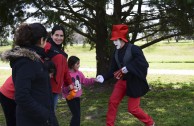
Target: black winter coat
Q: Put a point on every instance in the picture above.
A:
(137, 85)
(33, 94)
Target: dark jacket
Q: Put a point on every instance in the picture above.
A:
(137, 66)
(33, 94)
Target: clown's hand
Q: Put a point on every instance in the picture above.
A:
(118, 74)
(124, 70)
(100, 79)
(71, 95)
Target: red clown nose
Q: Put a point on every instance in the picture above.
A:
(119, 32)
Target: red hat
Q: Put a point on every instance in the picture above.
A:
(119, 31)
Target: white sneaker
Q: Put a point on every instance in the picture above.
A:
(152, 124)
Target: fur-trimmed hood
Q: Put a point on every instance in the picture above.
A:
(18, 52)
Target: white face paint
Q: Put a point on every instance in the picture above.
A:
(117, 43)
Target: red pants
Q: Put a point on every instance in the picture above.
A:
(133, 105)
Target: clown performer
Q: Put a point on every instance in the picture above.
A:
(129, 67)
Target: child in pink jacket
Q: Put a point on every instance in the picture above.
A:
(78, 79)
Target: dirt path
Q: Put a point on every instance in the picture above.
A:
(150, 71)
(155, 71)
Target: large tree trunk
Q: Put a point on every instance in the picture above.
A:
(103, 46)
(103, 54)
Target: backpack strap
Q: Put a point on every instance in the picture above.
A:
(127, 57)
(128, 54)
(117, 59)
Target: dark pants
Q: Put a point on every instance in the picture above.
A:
(74, 106)
(9, 109)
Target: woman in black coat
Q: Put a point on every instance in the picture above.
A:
(33, 94)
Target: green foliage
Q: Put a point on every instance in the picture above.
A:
(178, 10)
(11, 12)
(153, 20)
(4, 42)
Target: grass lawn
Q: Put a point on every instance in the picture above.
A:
(160, 56)
(170, 102)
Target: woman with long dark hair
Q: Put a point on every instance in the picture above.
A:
(59, 57)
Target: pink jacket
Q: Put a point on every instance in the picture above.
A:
(78, 79)
(7, 89)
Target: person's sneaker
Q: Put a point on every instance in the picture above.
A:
(152, 124)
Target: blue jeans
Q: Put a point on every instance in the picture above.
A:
(55, 100)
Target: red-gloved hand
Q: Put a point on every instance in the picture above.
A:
(118, 74)
(71, 94)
